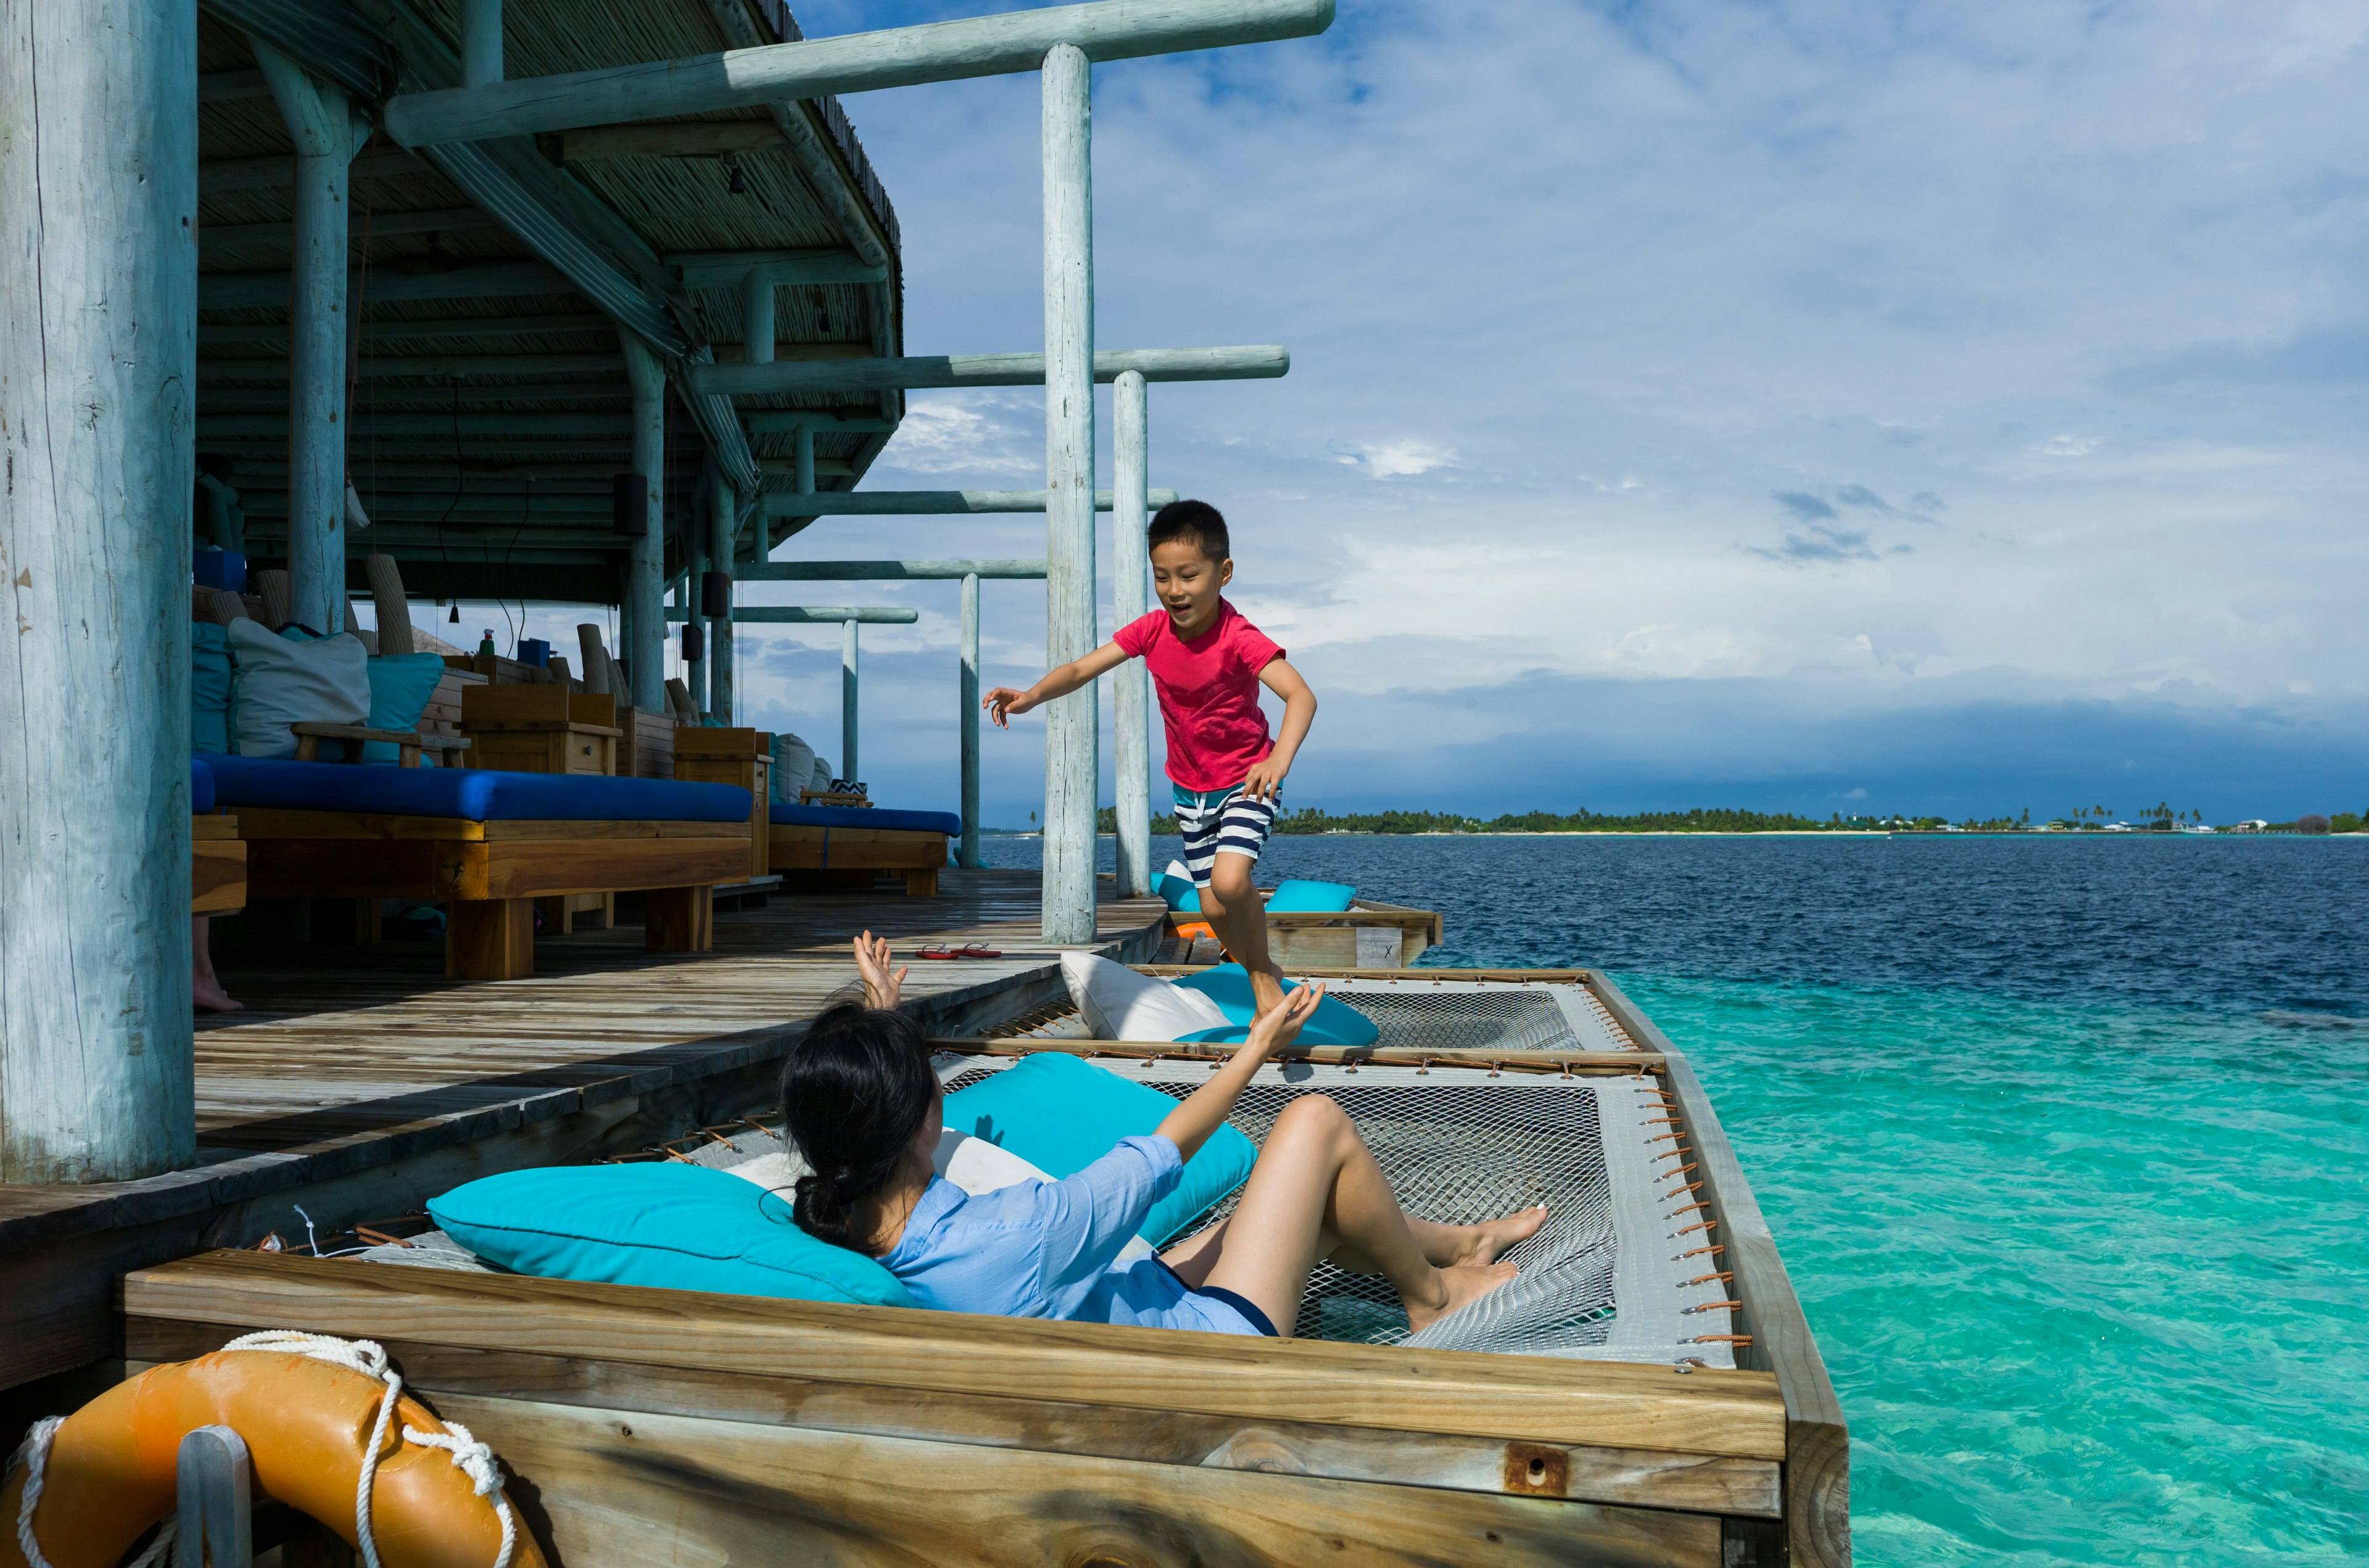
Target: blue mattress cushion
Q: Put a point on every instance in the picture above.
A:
(1182, 898)
(477, 794)
(782, 814)
(1334, 1023)
(666, 1223)
(201, 786)
(209, 687)
(1310, 898)
(1061, 1113)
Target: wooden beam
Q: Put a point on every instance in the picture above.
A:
(727, 268)
(380, 367)
(896, 57)
(1520, 1398)
(433, 426)
(382, 226)
(644, 623)
(1072, 750)
(966, 708)
(1258, 361)
(97, 354)
(812, 615)
(1636, 1477)
(918, 503)
(227, 333)
(848, 665)
(248, 290)
(280, 169)
(695, 139)
(887, 571)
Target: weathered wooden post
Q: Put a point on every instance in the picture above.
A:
(98, 201)
(804, 476)
(723, 520)
(968, 854)
(1069, 722)
(696, 537)
(328, 134)
(644, 619)
(481, 43)
(757, 298)
(1131, 682)
(847, 680)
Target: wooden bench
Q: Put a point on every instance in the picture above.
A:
(840, 849)
(217, 865)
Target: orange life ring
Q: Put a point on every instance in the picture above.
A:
(108, 1472)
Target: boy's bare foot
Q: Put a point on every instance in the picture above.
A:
(1493, 1239)
(1466, 1283)
(1266, 991)
(210, 998)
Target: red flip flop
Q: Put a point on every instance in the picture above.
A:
(935, 952)
(974, 951)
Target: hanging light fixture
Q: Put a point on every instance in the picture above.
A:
(738, 184)
(456, 617)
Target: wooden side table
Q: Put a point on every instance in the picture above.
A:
(743, 757)
(546, 729)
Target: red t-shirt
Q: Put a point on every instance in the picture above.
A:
(1208, 695)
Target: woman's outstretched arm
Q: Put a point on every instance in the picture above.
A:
(1189, 1124)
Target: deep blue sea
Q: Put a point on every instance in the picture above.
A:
(2065, 1142)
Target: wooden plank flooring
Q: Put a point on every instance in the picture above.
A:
(341, 1047)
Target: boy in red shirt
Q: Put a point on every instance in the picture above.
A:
(1209, 664)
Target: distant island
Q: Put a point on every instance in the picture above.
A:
(1715, 819)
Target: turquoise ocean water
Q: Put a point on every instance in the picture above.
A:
(2066, 1144)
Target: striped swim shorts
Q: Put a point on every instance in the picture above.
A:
(1220, 822)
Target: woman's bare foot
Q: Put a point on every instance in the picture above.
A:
(1466, 1283)
(210, 998)
(1493, 1239)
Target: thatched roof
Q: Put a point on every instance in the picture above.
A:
(489, 409)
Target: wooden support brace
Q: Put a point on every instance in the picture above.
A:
(679, 920)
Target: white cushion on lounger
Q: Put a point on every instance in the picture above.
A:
(792, 773)
(971, 1163)
(277, 682)
(1119, 1005)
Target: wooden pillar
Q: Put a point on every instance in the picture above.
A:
(723, 520)
(98, 201)
(1070, 721)
(757, 297)
(968, 852)
(327, 134)
(847, 633)
(481, 43)
(804, 460)
(694, 555)
(1131, 583)
(644, 624)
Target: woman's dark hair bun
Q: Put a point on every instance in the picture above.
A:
(854, 1093)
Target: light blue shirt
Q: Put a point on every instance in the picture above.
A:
(1050, 1249)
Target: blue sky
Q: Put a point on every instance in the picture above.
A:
(1823, 406)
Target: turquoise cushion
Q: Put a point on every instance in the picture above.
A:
(1061, 1113)
(401, 685)
(1334, 1023)
(1182, 896)
(209, 687)
(664, 1223)
(1310, 898)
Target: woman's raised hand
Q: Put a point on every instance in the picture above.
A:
(882, 987)
(1281, 1024)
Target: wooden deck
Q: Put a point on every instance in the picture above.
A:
(359, 1081)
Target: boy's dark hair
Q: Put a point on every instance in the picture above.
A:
(1190, 523)
(855, 1091)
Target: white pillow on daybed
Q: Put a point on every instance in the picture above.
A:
(1119, 1005)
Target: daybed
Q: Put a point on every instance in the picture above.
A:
(217, 859)
(488, 844)
(845, 847)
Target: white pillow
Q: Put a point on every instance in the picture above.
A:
(971, 1163)
(1179, 870)
(1119, 1005)
(820, 782)
(792, 768)
(276, 682)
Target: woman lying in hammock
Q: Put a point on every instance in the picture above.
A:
(864, 1110)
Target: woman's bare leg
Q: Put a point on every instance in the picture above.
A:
(1316, 1192)
(205, 990)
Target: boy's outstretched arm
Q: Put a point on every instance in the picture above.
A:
(1003, 701)
(1265, 776)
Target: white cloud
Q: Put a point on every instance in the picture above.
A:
(2070, 446)
(1400, 459)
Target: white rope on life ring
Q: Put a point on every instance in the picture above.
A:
(470, 1457)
